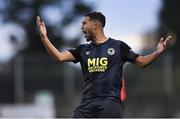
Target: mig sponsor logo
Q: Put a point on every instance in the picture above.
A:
(97, 64)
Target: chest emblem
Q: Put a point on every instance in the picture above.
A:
(111, 51)
(87, 52)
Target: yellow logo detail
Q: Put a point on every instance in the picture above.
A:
(97, 64)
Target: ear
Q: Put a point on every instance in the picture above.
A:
(95, 25)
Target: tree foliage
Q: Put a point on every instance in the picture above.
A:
(24, 12)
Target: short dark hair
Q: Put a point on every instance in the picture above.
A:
(97, 16)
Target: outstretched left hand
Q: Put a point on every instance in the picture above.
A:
(162, 45)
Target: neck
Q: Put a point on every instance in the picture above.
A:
(99, 39)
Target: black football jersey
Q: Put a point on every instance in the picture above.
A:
(102, 67)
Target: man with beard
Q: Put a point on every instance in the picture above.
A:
(102, 63)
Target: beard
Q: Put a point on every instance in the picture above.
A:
(89, 37)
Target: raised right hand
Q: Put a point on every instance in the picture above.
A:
(41, 26)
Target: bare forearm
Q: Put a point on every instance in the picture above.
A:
(144, 61)
(53, 52)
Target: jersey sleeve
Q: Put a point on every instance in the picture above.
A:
(76, 53)
(128, 54)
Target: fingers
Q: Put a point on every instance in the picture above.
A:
(43, 23)
(162, 39)
(165, 43)
(37, 17)
(39, 22)
(168, 38)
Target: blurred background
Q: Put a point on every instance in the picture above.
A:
(33, 85)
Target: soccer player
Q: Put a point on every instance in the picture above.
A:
(102, 63)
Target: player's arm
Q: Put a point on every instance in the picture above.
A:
(143, 61)
(54, 53)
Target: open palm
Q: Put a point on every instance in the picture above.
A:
(162, 45)
(41, 26)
